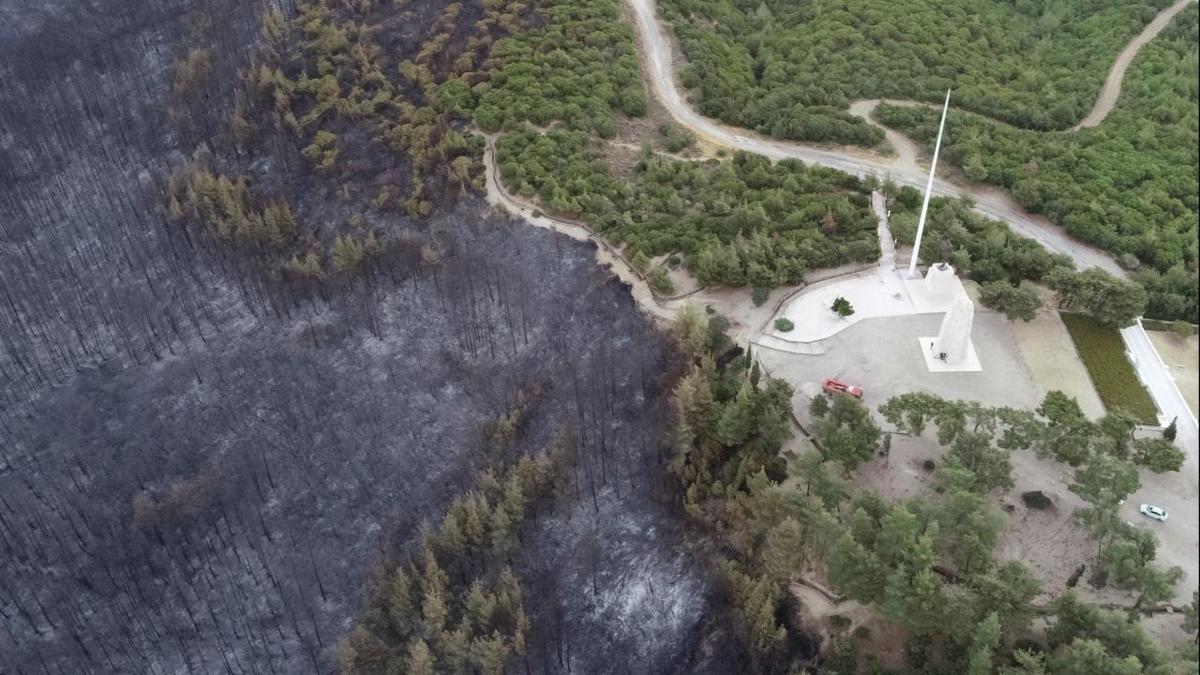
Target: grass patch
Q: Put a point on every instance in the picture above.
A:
(1103, 355)
(1178, 327)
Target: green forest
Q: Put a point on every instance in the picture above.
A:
(579, 68)
(929, 564)
(739, 222)
(1128, 185)
(790, 69)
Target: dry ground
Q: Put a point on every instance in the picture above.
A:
(1050, 356)
(1182, 356)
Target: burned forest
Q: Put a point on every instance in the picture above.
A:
(259, 333)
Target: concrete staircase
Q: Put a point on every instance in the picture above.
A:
(780, 345)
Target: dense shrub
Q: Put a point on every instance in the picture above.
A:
(789, 69)
(744, 221)
(1103, 353)
(580, 69)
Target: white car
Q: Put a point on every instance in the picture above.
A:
(1151, 511)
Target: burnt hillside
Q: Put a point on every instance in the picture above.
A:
(201, 464)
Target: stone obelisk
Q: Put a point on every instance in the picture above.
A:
(954, 339)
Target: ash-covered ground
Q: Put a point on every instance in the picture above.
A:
(199, 468)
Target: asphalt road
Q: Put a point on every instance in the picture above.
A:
(1178, 538)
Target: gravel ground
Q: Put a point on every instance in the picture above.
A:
(1049, 354)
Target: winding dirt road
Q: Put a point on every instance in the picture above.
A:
(903, 168)
(1111, 90)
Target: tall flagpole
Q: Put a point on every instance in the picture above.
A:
(912, 264)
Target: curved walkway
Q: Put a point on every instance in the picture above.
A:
(989, 201)
(605, 253)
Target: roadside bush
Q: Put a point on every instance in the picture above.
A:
(759, 295)
(1098, 294)
(1015, 302)
(743, 222)
(784, 325)
(1157, 454)
(842, 307)
(660, 282)
(1073, 580)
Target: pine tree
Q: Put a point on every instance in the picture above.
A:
(400, 606)
(1171, 430)
(239, 126)
(434, 613)
(856, 570)
(819, 406)
(501, 531)
(829, 224)
(738, 418)
(174, 208)
(784, 552)
(475, 520)
(309, 266)
(480, 606)
(420, 660)
(514, 497)
(454, 650)
(489, 654)
(450, 537)
(694, 411)
(983, 644)
(348, 254)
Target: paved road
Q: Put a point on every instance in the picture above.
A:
(1178, 538)
(990, 201)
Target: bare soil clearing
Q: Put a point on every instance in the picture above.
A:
(1050, 355)
(1182, 356)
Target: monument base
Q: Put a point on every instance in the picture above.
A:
(969, 363)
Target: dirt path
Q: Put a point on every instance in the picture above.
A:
(606, 255)
(658, 57)
(1111, 91)
(734, 303)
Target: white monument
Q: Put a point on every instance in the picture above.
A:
(941, 284)
(952, 351)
